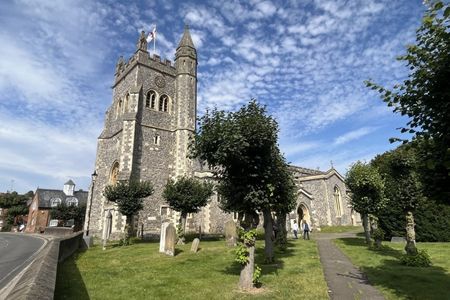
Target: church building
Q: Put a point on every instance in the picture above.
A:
(146, 136)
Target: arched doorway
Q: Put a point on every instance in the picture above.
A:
(303, 213)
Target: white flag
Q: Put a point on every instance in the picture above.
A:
(151, 35)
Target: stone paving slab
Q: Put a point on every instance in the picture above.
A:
(344, 280)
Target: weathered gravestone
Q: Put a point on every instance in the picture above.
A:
(230, 233)
(170, 238)
(195, 243)
(398, 239)
(162, 237)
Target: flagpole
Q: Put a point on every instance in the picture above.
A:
(154, 41)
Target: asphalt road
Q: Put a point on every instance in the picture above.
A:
(16, 252)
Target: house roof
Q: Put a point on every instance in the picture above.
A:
(70, 182)
(46, 195)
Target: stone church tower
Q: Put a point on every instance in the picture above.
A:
(146, 133)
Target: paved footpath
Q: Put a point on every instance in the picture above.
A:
(344, 280)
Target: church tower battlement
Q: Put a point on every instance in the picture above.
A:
(147, 131)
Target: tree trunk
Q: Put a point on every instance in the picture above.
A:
(268, 236)
(281, 238)
(247, 270)
(246, 277)
(182, 239)
(128, 230)
(410, 247)
(365, 219)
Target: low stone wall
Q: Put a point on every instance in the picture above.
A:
(38, 281)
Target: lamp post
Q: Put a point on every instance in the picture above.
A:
(87, 238)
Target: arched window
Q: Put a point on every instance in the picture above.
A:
(156, 139)
(119, 106)
(72, 201)
(337, 201)
(127, 101)
(163, 103)
(54, 202)
(114, 173)
(150, 100)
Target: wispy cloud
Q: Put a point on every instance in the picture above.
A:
(353, 135)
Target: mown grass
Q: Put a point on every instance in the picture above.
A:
(340, 229)
(396, 281)
(139, 271)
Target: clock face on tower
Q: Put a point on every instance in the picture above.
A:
(160, 82)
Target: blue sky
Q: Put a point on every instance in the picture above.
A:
(305, 60)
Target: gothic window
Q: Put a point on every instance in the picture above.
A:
(337, 201)
(72, 201)
(163, 103)
(114, 173)
(54, 202)
(119, 106)
(150, 100)
(127, 101)
(156, 139)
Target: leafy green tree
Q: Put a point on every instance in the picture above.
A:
(187, 195)
(403, 186)
(367, 192)
(241, 147)
(129, 197)
(65, 213)
(16, 205)
(423, 97)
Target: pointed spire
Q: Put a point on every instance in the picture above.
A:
(186, 39)
(142, 42)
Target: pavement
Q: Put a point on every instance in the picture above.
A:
(344, 280)
(17, 251)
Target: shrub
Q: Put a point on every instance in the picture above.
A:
(421, 259)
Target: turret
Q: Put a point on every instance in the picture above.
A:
(186, 55)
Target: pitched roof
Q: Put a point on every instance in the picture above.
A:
(46, 195)
(70, 182)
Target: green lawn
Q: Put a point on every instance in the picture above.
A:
(140, 272)
(396, 281)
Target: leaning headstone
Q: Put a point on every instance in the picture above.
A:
(398, 239)
(162, 237)
(195, 243)
(170, 238)
(230, 233)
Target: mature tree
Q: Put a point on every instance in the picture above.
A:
(16, 205)
(423, 97)
(64, 213)
(187, 195)
(241, 147)
(11, 199)
(403, 186)
(129, 196)
(367, 192)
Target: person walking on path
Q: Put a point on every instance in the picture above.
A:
(305, 228)
(295, 229)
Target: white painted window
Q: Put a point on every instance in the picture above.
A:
(54, 202)
(72, 201)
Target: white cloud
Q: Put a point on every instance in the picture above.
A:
(353, 135)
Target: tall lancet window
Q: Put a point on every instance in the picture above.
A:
(164, 103)
(114, 176)
(337, 201)
(150, 100)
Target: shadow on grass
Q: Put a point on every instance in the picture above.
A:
(405, 282)
(69, 282)
(266, 268)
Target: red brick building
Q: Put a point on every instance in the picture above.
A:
(45, 199)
